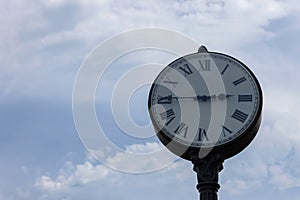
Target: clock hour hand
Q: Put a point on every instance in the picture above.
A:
(205, 97)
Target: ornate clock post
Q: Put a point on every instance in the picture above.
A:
(206, 107)
(207, 170)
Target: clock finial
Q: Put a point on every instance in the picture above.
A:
(202, 49)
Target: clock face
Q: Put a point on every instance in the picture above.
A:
(204, 100)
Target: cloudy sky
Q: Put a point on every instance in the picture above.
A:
(43, 43)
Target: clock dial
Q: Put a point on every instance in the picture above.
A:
(204, 100)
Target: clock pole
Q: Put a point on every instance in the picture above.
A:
(207, 170)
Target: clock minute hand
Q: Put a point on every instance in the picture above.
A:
(198, 97)
(224, 96)
(185, 98)
(171, 97)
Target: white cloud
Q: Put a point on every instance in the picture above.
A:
(136, 158)
(82, 175)
(144, 148)
(38, 35)
(48, 184)
(226, 23)
(99, 19)
(88, 177)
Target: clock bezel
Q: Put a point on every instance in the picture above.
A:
(227, 149)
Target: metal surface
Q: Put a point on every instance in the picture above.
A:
(207, 170)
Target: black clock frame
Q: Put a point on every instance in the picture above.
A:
(228, 149)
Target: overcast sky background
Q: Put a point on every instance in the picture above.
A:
(44, 42)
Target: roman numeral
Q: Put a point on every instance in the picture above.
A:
(204, 65)
(168, 115)
(174, 83)
(226, 130)
(245, 98)
(240, 80)
(186, 69)
(182, 128)
(202, 135)
(225, 69)
(239, 115)
(164, 100)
